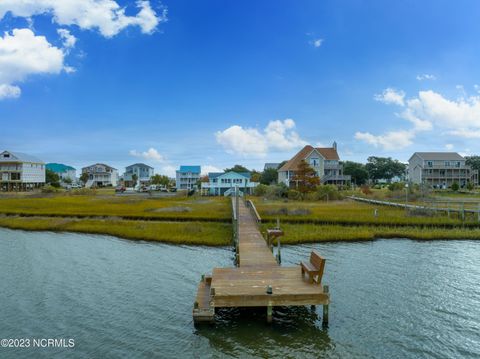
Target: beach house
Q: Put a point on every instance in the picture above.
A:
(20, 171)
(324, 160)
(187, 177)
(100, 175)
(223, 184)
(440, 169)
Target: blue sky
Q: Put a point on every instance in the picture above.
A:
(220, 82)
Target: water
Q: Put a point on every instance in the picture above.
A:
(118, 298)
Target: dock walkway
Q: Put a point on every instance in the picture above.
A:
(246, 285)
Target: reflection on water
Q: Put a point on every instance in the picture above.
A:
(117, 298)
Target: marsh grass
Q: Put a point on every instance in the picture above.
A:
(197, 233)
(352, 213)
(310, 233)
(216, 209)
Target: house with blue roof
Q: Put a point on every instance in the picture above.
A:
(223, 184)
(63, 171)
(188, 177)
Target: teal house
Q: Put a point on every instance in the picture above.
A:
(63, 171)
(223, 184)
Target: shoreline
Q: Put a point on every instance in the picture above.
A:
(215, 234)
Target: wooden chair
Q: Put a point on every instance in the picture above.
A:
(314, 268)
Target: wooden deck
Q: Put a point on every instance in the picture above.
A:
(246, 285)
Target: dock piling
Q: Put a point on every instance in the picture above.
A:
(269, 313)
(325, 308)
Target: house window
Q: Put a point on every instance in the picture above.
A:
(314, 162)
(447, 163)
(430, 163)
(457, 164)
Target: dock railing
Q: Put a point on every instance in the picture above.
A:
(254, 211)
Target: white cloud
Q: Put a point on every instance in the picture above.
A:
(422, 77)
(9, 91)
(393, 140)
(206, 169)
(68, 39)
(22, 53)
(428, 111)
(278, 135)
(105, 15)
(169, 171)
(317, 43)
(150, 154)
(391, 96)
(449, 147)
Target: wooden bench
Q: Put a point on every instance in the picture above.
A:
(314, 267)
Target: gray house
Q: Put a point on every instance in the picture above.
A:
(440, 169)
(20, 172)
(141, 170)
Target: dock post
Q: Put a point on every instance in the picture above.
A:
(279, 254)
(269, 313)
(325, 308)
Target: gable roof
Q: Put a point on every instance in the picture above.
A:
(99, 164)
(59, 167)
(329, 153)
(192, 169)
(139, 165)
(213, 175)
(270, 165)
(439, 156)
(19, 157)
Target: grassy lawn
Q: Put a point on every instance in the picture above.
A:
(198, 233)
(350, 213)
(107, 204)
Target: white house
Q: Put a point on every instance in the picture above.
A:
(143, 172)
(223, 184)
(324, 160)
(187, 177)
(100, 175)
(20, 172)
(63, 171)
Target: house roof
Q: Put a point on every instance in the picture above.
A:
(213, 175)
(139, 165)
(329, 153)
(271, 165)
(439, 156)
(100, 164)
(59, 167)
(193, 169)
(19, 157)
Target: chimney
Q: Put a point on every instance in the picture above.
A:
(334, 145)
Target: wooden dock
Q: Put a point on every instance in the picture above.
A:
(258, 280)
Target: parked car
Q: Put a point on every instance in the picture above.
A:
(120, 189)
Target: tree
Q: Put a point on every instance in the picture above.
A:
(357, 170)
(52, 178)
(134, 179)
(255, 176)
(269, 176)
(84, 177)
(161, 180)
(306, 178)
(473, 161)
(67, 180)
(237, 168)
(384, 168)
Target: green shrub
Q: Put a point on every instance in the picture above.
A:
(294, 194)
(455, 186)
(50, 189)
(470, 186)
(397, 186)
(327, 192)
(260, 190)
(276, 191)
